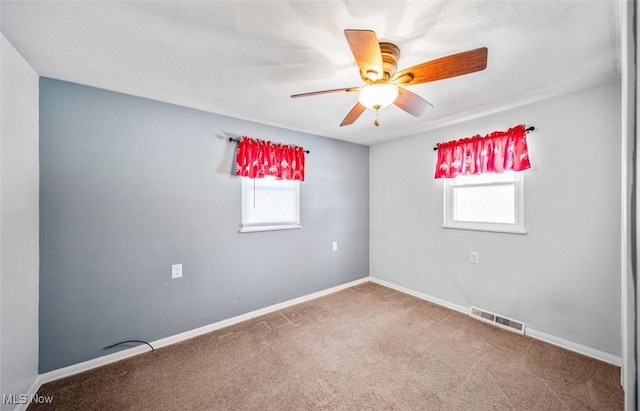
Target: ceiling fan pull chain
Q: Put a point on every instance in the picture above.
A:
(376, 122)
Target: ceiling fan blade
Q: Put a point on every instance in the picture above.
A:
(353, 114)
(335, 90)
(366, 49)
(444, 67)
(412, 103)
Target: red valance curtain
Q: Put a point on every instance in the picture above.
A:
(498, 152)
(258, 158)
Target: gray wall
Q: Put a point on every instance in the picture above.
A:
(563, 277)
(628, 51)
(18, 224)
(130, 186)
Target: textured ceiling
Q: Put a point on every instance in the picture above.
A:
(244, 59)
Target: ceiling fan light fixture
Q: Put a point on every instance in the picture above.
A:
(376, 96)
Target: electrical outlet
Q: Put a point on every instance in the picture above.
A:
(176, 271)
(474, 257)
(334, 246)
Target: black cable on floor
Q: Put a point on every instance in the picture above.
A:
(129, 341)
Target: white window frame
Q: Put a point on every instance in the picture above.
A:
(449, 202)
(255, 219)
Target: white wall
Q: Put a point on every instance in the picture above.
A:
(563, 277)
(19, 254)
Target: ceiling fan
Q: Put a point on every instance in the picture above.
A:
(384, 85)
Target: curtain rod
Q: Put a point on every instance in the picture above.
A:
(528, 130)
(237, 140)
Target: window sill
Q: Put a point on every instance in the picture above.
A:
(255, 229)
(492, 228)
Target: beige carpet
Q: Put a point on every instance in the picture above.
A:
(367, 347)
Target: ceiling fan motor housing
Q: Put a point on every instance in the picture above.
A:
(390, 55)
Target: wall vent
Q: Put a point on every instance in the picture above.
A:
(497, 320)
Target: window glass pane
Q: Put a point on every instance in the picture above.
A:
(486, 202)
(267, 201)
(489, 204)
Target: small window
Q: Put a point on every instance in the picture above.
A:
(270, 204)
(485, 202)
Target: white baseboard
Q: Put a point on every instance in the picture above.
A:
(422, 296)
(575, 347)
(539, 335)
(29, 395)
(130, 352)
